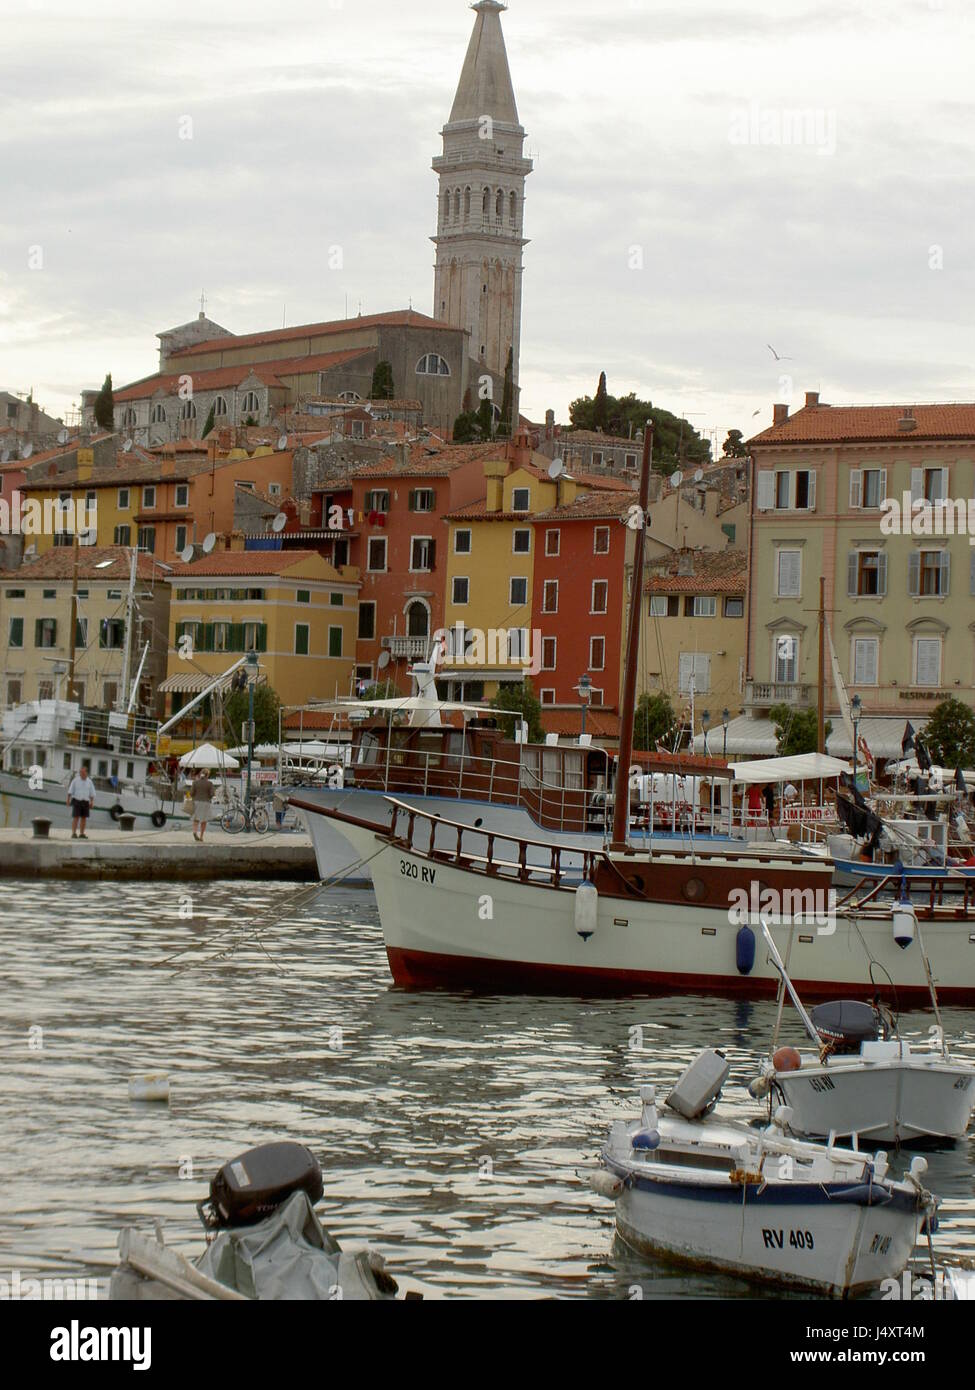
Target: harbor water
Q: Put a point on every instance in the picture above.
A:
(456, 1132)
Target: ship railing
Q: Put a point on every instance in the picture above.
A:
(926, 893)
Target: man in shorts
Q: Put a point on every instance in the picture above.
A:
(81, 796)
(202, 790)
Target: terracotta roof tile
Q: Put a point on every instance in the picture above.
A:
(591, 505)
(567, 723)
(397, 318)
(58, 563)
(244, 562)
(214, 378)
(715, 572)
(428, 461)
(839, 424)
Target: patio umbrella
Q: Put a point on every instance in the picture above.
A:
(210, 757)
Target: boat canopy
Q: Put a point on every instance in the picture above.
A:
(405, 704)
(804, 767)
(208, 756)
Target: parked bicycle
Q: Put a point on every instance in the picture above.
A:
(237, 816)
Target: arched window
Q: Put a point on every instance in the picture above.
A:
(128, 418)
(349, 396)
(220, 406)
(499, 205)
(417, 620)
(486, 203)
(457, 206)
(445, 208)
(432, 365)
(188, 411)
(250, 404)
(158, 416)
(513, 204)
(467, 204)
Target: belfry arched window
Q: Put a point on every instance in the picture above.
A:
(432, 365)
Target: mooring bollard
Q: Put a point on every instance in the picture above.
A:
(42, 828)
(126, 822)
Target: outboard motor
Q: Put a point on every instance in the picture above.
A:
(250, 1187)
(845, 1025)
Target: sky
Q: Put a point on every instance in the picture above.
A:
(714, 180)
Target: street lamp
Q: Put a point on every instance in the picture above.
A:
(725, 716)
(252, 668)
(855, 710)
(584, 691)
(705, 725)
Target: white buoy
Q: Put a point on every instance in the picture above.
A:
(586, 909)
(606, 1185)
(904, 924)
(153, 1086)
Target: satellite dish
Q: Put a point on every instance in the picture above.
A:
(676, 479)
(62, 436)
(556, 469)
(283, 442)
(699, 476)
(209, 542)
(127, 447)
(383, 661)
(26, 451)
(186, 554)
(279, 522)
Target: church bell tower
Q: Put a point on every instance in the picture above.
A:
(480, 225)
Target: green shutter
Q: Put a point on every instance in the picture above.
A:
(335, 641)
(262, 637)
(208, 637)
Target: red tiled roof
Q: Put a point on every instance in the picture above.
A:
(839, 424)
(58, 563)
(593, 505)
(397, 318)
(427, 461)
(715, 572)
(243, 562)
(213, 378)
(603, 482)
(567, 723)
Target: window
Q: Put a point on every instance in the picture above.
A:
(805, 490)
(303, 596)
(111, 634)
(14, 693)
(45, 691)
(81, 633)
(705, 606)
(734, 607)
(600, 540)
(15, 633)
(789, 573)
(553, 541)
(521, 542)
(377, 555)
(250, 405)
(600, 596)
(220, 407)
(929, 484)
(158, 416)
(109, 694)
(422, 499)
(147, 539)
(521, 499)
(180, 543)
(927, 661)
(123, 499)
(335, 641)
(866, 573)
(49, 593)
(187, 410)
(46, 632)
(549, 653)
(694, 671)
(518, 592)
(274, 489)
(597, 653)
(123, 535)
(182, 494)
(550, 596)
(433, 364)
(336, 600)
(597, 458)
(417, 620)
(518, 643)
(148, 498)
(15, 593)
(658, 605)
(461, 591)
(783, 488)
(377, 500)
(868, 487)
(786, 660)
(547, 696)
(462, 542)
(929, 574)
(302, 638)
(367, 622)
(423, 553)
(866, 659)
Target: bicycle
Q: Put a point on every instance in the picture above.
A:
(238, 816)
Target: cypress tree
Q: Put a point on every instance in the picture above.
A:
(105, 405)
(382, 382)
(600, 409)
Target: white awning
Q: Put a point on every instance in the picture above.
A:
(208, 756)
(883, 736)
(191, 683)
(746, 737)
(804, 767)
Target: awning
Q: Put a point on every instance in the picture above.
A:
(882, 734)
(746, 738)
(804, 767)
(191, 683)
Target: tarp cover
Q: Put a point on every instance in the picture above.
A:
(803, 767)
(289, 1255)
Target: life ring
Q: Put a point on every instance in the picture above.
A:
(158, 819)
(142, 744)
(117, 810)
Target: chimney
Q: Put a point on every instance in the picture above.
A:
(780, 413)
(520, 449)
(907, 422)
(304, 511)
(812, 398)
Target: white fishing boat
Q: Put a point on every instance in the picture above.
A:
(863, 1078)
(760, 1204)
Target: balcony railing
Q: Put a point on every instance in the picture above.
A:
(412, 648)
(765, 694)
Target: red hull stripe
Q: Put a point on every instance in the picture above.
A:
(424, 970)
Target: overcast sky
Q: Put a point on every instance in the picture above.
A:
(653, 126)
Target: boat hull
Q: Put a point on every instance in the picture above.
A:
(893, 1103)
(20, 804)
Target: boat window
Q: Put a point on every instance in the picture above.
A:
(551, 769)
(455, 749)
(716, 1162)
(573, 771)
(368, 750)
(430, 747)
(529, 767)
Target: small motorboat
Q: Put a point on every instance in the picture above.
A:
(758, 1203)
(863, 1078)
(264, 1241)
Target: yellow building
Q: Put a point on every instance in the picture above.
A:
(291, 607)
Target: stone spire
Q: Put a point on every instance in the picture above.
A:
(480, 228)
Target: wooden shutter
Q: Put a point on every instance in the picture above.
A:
(852, 574)
(789, 574)
(765, 496)
(881, 572)
(856, 487)
(811, 496)
(914, 574)
(928, 661)
(945, 572)
(883, 486)
(917, 484)
(865, 651)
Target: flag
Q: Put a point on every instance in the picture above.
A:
(960, 782)
(907, 742)
(923, 758)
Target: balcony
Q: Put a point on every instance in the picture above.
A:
(407, 648)
(765, 694)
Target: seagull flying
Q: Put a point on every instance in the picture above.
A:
(776, 355)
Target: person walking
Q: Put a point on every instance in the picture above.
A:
(203, 790)
(81, 798)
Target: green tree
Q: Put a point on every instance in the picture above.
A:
(387, 690)
(475, 426)
(796, 730)
(382, 382)
(676, 444)
(266, 707)
(105, 405)
(735, 446)
(950, 735)
(600, 406)
(506, 423)
(522, 701)
(654, 718)
(210, 420)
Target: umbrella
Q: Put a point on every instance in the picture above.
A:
(209, 756)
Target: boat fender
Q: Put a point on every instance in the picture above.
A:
(606, 1185)
(745, 950)
(786, 1059)
(586, 909)
(759, 1087)
(646, 1140)
(904, 923)
(880, 1162)
(158, 819)
(117, 810)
